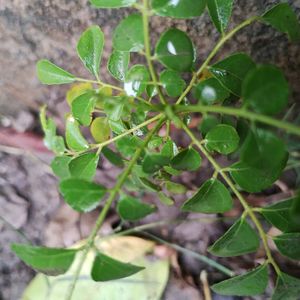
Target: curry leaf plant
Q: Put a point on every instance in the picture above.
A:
(241, 104)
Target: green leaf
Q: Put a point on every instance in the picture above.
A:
(266, 90)
(263, 158)
(100, 129)
(49, 73)
(250, 284)
(84, 166)
(220, 13)
(131, 209)
(90, 48)
(255, 179)
(60, 166)
(172, 83)
(112, 3)
(175, 50)
(114, 107)
(240, 239)
(280, 215)
(212, 197)
(127, 145)
(175, 188)
(82, 108)
(207, 124)
(169, 149)
(106, 268)
(187, 160)
(223, 139)
(288, 244)
(51, 140)
(283, 18)
(129, 35)
(113, 157)
(154, 162)
(210, 91)
(136, 80)
(165, 199)
(181, 9)
(51, 261)
(77, 90)
(118, 64)
(287, 288)
(74, 138)
(232, 71)
(80, 194)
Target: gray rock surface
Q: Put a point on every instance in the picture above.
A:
(30, 30)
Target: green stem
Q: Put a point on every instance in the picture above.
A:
(219, 45)
(247, 208)
(238, 112)
(113, 194)
(148, 55)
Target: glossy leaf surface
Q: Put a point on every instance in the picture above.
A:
(136, 80)
(175, 50)
(212, 197)
(106, 268)
(118, 64)
(80, 194)
(129, 35)
(210, 91)
(181, 9)
(240, 239)
(172, 83)
(90, 48)
(132, 209)
(74, 137)
(50, 261)
(49, 73)
(250, 284)
(232, 71)
(223, 139)
(220, 12)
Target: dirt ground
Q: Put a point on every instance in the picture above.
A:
(29, 199)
